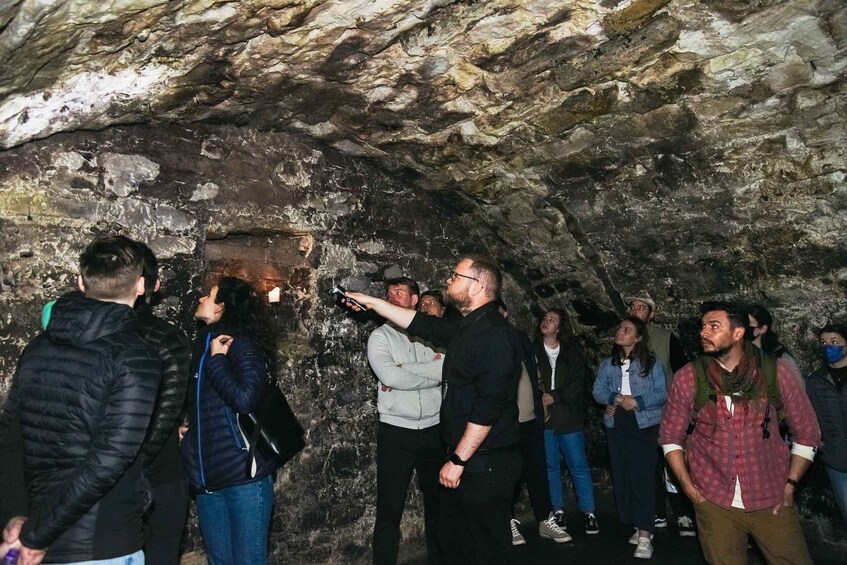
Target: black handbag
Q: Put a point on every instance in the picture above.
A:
(272, 428)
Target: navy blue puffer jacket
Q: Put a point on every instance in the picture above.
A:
(214, 452)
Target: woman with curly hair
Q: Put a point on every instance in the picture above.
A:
(631, 384)
(231, 360)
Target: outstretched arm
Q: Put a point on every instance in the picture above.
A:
(400, 316)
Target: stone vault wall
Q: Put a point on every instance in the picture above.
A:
(214, 199)
(329, 219)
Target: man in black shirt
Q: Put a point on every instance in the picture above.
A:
(479, 414)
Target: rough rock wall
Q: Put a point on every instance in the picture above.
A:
(284, 212)
(269, 207)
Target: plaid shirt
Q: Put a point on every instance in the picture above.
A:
(724, 446)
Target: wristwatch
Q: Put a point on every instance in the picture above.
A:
(793, 483)
(456, 460)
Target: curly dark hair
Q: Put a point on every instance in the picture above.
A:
(640, 352)
(245, 313)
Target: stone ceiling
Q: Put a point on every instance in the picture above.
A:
(696, 149)
(698, 144)
(487, 96)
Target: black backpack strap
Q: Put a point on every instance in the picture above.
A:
(260, 413)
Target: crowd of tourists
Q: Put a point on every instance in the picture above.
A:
(114, 420)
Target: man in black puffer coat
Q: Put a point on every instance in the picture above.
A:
(165, 520)
(79, 409)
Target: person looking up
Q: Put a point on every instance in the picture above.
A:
(164, 522)
(531, 422)
(232, 356)
(409, 403)
(432, 303)
(631, 384)
(479, 411)
(667, 349)
(562, 371)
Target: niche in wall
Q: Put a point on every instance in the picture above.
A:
(267, 260)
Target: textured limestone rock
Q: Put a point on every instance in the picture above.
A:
(692, 148)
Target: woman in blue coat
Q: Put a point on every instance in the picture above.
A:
(234, 496)
(631, 384)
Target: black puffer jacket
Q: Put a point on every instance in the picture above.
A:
(161, 447)
(213, 451)
(831, 407)
(82, 395)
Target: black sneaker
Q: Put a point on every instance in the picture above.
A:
(591, 525)
(660, 522)
(559, 518)
(686, 526)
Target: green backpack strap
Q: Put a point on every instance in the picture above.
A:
(768, 365)
(701, 389)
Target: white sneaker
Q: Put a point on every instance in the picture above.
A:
(517, 537)
(644, 549)
(550, 529)
(633, 539)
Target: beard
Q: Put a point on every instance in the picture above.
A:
(720, 349)
(462, 302)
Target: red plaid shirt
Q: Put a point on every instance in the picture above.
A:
(724, 446)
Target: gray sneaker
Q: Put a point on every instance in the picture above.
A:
(517, 537)
(551, 530)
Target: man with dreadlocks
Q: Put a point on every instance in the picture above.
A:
(734, 466)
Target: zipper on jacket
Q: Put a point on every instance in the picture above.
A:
(197, 415)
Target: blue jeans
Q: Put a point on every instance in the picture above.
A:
(572, 446)
(839, 488)
(234, 522)
(136, 558)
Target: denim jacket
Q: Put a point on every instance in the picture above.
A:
(649, 391)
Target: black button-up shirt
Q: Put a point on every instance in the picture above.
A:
(481, 372)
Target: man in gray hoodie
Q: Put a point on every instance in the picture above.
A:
(409, 403)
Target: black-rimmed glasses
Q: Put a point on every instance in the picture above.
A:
(454, 274)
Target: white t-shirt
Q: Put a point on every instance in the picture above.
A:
(552, 355)
(626, 389)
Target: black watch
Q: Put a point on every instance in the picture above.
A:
(456, 460)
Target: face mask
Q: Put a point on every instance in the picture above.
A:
(832, 353)
(748, 333)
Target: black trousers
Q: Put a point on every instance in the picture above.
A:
(680, 504)
(534, 471)
(632, 453)
(398, 452)
(164, 524)
(475, 516)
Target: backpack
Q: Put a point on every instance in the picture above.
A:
(704, 391)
